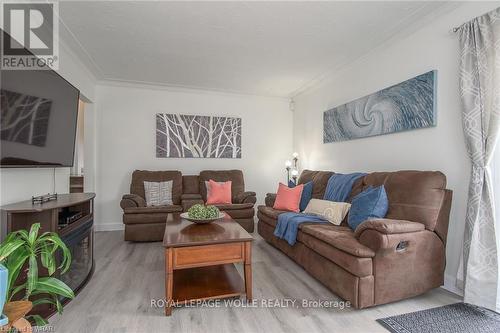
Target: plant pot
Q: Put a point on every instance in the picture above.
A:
(4, 274)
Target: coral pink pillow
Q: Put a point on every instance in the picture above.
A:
(218, 193)
(288, 198)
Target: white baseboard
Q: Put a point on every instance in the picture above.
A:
(108, 227)
(450, 284)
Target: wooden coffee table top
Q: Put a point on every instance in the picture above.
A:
(180, 232)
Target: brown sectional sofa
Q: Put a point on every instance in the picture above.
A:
(144, 223)
(383, 260)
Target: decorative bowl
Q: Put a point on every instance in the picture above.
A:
(202, 221)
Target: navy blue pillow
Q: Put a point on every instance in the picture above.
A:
(371, 203)
(306, 194)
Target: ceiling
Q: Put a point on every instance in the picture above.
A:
(262, 48)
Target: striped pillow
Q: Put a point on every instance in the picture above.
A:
(158, 193)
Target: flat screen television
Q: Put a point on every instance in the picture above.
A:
(38, 119)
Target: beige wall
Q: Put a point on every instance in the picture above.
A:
(440, 148)
(126, 136)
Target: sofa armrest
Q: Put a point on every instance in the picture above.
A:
(246, 197)
(270, 198)
(387, 234)
(191, 197)
(132, 200)
(388, 226)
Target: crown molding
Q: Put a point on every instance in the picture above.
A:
(407, 26)
(180, 88)
(79, 53)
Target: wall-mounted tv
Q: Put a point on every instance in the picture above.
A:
(39, 110)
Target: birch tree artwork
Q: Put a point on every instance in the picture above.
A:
(197, 136)
(24, 118)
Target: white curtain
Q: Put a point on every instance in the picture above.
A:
(480, 94)
(495, 180)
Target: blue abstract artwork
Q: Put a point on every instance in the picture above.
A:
(405, 106)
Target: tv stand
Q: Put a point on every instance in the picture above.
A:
(71, 216)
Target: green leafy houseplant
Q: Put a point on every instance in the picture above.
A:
(23, 249)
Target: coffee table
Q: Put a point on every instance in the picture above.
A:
(200, 258)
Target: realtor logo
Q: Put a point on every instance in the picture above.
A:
(30, 35)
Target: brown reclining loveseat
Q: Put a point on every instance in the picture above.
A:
(144, 223)
(383, 260)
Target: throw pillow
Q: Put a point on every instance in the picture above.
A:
(218, 193)
(288, 198)
(158, 193)
(306, 194)
(207, 186)
(332, 211)
(369, 204)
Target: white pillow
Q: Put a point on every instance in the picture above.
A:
(158, 193)
(332, 211)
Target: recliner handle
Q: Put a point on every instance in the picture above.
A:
(402, 246)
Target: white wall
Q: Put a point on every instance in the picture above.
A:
(21, 184)
(126, 136)
(441, 148)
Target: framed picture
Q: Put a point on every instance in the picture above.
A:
(405, 106)
(180, 135)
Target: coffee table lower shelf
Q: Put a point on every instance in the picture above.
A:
(203, 283)
(200, 264)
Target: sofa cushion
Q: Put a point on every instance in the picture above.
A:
(153, 209)
(319, 179)
(339, 237)
(270, 212)
(140, 176)
(267, 220)
(234, 206)
(235, 176)
(148, 215)
(191, 184)
(359, 266)
(188, 203)
(185, 196)
(413, 195)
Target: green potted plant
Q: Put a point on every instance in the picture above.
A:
(23, 250)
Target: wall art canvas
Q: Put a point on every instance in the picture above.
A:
(180, 135)
(405, 106)
(24, 118)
